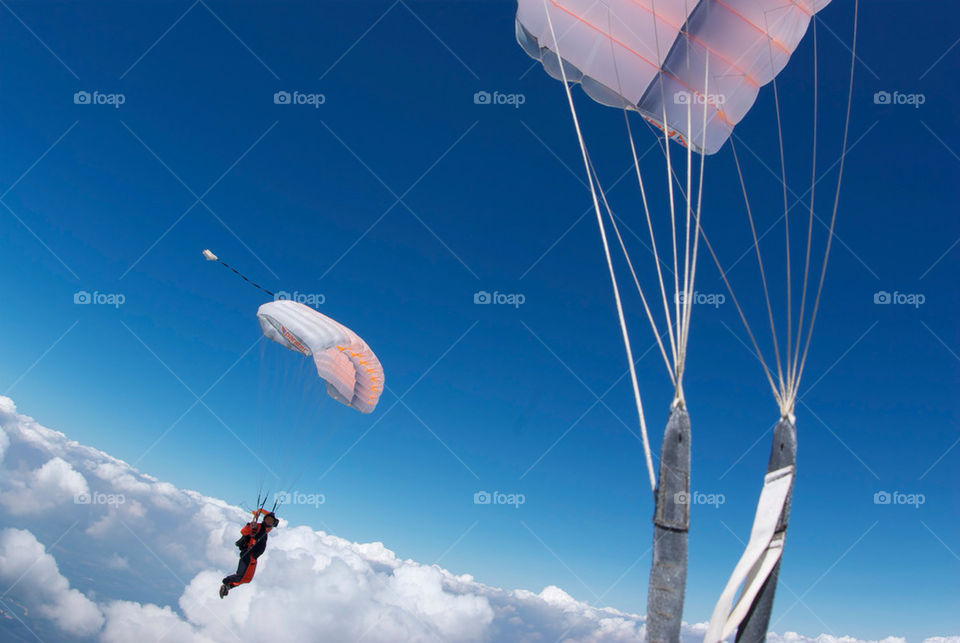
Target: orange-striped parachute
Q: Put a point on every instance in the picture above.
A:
(659, 57)
(352, 372)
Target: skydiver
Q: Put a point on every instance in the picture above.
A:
(252, 543)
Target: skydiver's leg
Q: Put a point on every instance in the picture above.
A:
(248, 573)
(242, 569)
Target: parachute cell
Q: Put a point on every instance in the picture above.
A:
(651, 56)
(352, 372)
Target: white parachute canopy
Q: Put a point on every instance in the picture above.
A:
(651, 56)
(352, 372)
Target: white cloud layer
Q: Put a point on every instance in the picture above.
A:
(122, 576)
(32, 574)
(55, 483)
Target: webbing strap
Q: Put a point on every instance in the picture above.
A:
(758, 559)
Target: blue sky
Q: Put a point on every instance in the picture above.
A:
(397, 200)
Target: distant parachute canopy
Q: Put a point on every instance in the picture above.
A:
(626, 56)
(352, 372)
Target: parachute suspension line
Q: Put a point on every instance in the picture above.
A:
(653, 240)
(836, 203)
(675, 334)
(262, 502)
(299, 435)
(683, 306)
(260, 421)
(792, 378)
(678, 393)
(663, 293)
(681, 318)
(682, 323)
(786, 224)
(606, 249)
(688, 297)
(653, 244)
(285, 452)
(685, 319)
(285, 434)
(259, 495)
(309, 465)
(763, 278)
(267, 379)
(307, 419)
(743, 318)
(297, 473)
(636, 281)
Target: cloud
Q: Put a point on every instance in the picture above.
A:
(793, 637)
(129, 621)
(4, 443)
(55, 483)
(34, 578)
(124, 575)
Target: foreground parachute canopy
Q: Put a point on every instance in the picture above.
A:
(352, 372)
(652, 55)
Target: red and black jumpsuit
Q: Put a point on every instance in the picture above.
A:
(254, 541)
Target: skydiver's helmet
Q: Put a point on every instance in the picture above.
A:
(273, 519)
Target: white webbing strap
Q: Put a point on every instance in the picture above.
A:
(758, 559)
